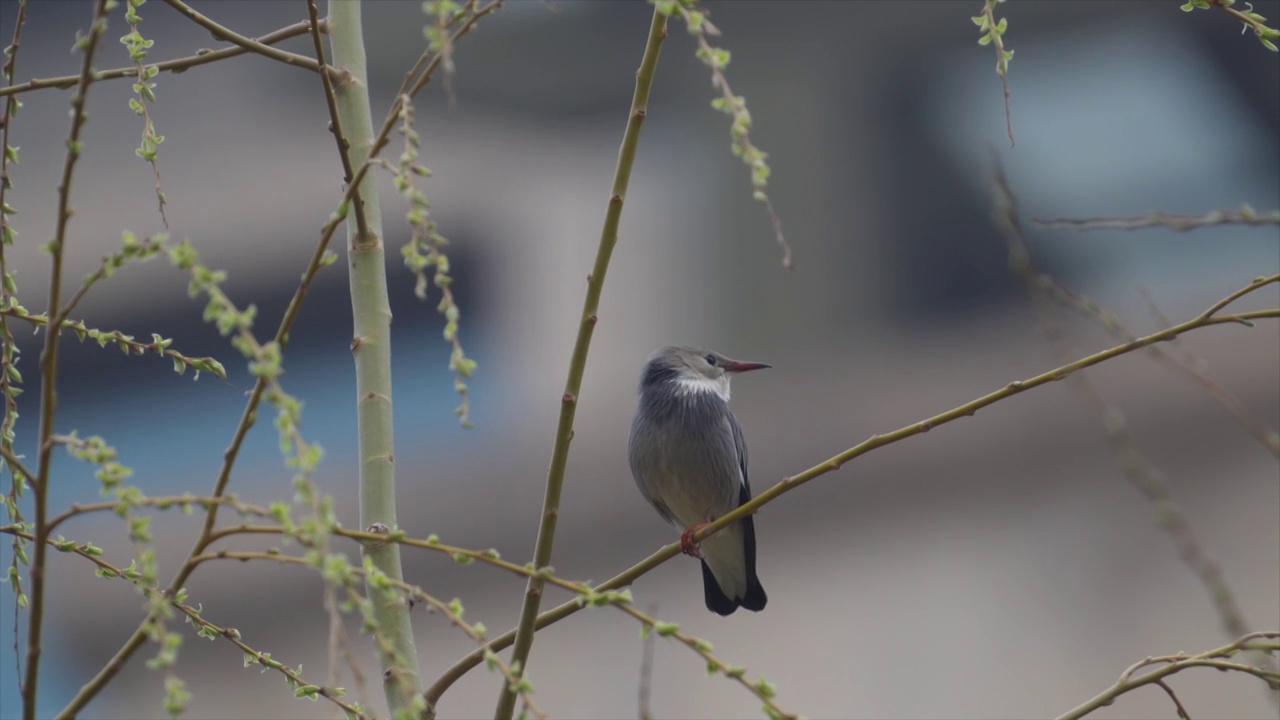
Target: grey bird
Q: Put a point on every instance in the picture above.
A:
(689, 460)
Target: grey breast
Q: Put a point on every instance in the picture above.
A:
(684, 456)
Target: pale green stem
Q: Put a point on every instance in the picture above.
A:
(578, 363)
(371, 346)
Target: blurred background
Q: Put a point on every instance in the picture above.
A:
(1000, 567)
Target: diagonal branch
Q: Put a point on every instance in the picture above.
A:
(249, 44)
(202, 57)
(88, 44)
(578, 363)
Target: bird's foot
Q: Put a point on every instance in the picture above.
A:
(687, 544)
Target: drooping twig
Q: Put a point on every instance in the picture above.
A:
(993, 33)
(577, 365)
(735, 106)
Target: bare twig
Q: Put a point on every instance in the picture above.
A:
(88, 44)
(1218, 659)
(222, 32)
(335, 122)
(202, 57)
(1182, 223)
(1197, 368)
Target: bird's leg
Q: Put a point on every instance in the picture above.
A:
(687, 543)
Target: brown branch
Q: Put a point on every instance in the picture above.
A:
(1182, 223)
(221, 32)
(202, 57)
(49, 361)
(550, 511)
(335, 122)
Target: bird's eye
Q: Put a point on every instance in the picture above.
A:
(711, 360)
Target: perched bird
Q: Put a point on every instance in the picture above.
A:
(689, 460)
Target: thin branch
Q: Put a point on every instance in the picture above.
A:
(335, 122)
(49, 361)
(1182, 223)
(787, 484)
(1169, 664)
(1145, 477)
(577, 364)
(994, 30)
(1177, 704)
(224, 33)
(1197, 368)
(202, 57)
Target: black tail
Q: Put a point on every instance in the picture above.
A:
(755, 599)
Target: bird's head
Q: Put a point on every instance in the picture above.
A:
(686, 370)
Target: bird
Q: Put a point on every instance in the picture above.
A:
(689, 459)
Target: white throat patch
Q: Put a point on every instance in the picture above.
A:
(686, 385)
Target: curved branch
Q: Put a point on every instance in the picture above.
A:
(1170, 664)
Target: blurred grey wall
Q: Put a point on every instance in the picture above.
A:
(1000, 566)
